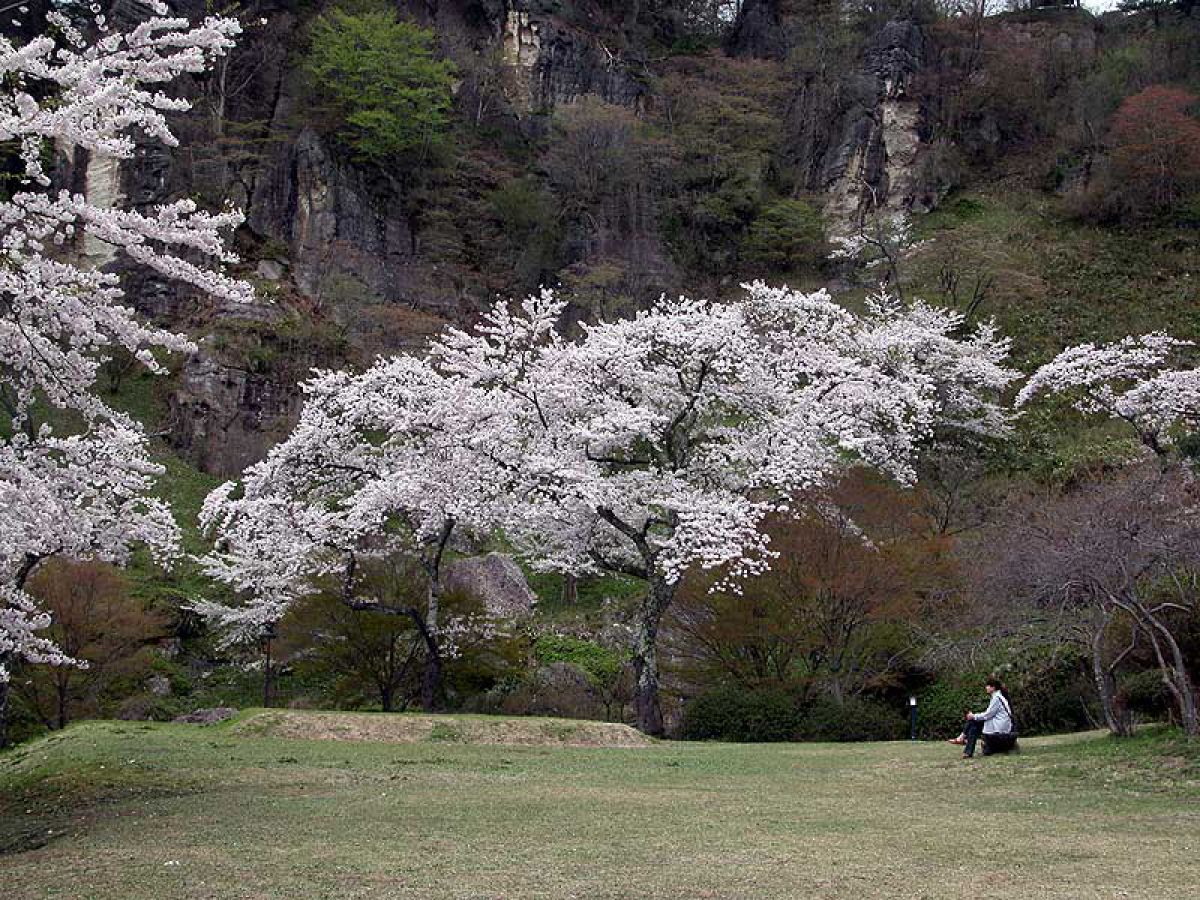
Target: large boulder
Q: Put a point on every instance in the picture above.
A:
(495, 580)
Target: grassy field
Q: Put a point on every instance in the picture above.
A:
(130, 810)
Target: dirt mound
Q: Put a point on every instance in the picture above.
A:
(405, 728)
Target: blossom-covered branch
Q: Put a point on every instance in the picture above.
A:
(1137, 380)
(85, 493)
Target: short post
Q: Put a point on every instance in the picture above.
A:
(912, 718)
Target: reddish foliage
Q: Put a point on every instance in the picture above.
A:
(1156, 146)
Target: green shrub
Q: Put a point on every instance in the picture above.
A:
(600, 664)
(854, 719)
(786, 236)
(738, 714)
(1047, 696)
(941, 706)
(382, 80)
(1145, 694)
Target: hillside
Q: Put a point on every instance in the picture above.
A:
(626, 151)
(402, 165)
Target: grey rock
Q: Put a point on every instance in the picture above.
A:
(269, 269)
(494, 579)
(225, 416)
(158, 685)
(759, 31)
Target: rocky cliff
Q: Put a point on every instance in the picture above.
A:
(373, 261)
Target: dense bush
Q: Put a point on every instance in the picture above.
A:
(390, 93)
(1047, 697)
(557, 689)
(600, 664)
(786, 236)
(1144, 694)
(941, 707)
(736, 714)
(854, 719)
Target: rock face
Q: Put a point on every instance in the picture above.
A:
(225, 417)
(759, 31)
(552, 64)
(855, 137)
(338, 228)
(366, 257)
(495, 580)
(874, 162)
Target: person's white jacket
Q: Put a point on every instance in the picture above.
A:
(997, 718)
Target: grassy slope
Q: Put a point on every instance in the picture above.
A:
(139, 810)
(1056, 281)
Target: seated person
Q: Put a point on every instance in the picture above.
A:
(994, 725)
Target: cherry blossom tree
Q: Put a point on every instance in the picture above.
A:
(381, 466)
(663, 442)
(649, 446)
(80, 489)
(1142, 381)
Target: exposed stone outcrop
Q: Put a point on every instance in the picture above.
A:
(357, 251)
(873, 165)
(336, 225)
(855, 134)
(225, 417)
(494, 579)
(759, 31)
(551, 64)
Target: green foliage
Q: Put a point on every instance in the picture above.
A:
(725, 126)
(381, 76)
(591, 594)
(527, 219)
(601, 665)
(1048, 695)
(733, 713)
(854, 719)
(786, 236)
(1145, 694)
(942, 706)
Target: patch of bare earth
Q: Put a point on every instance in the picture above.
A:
(405, 728)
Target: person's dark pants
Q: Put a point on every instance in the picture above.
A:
(992, 743)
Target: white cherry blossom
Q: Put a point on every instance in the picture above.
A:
(1138, 380)
(82, 489)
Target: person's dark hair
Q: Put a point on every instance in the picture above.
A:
(996, 683)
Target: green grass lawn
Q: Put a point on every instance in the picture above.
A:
(127, 810)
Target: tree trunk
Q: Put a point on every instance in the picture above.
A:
(1106, 687)
(5, 675)
(570, 590)
(432, 694)
(645, 656)
(267, 671)
(61, 691)
(431, 678)
(1171, 664)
